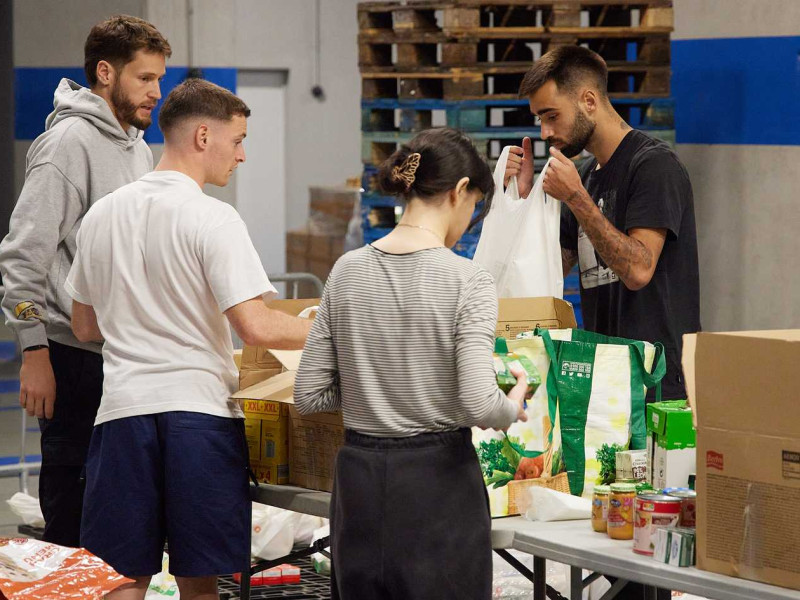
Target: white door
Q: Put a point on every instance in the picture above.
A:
(261, 181)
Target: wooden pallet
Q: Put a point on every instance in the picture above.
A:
(389, 51)
(376, 147)
(462, 16)
(499, 83)
(480, 115)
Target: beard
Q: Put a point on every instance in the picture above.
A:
(579, 135)
(126, 110)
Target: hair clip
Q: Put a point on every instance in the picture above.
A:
(407, 171)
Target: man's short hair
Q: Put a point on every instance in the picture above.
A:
(569, 67)
(199, 98)
(117, 39)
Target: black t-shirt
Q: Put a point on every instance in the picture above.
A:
(643, 185)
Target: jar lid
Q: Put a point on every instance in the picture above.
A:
(683, 494)
(602, 489)
(658, 498)
(623, 487)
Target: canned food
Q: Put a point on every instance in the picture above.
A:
(688, 507)
(653, 511)
(600, 508)
(620, 511)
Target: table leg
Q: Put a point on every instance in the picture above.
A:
(650, 592)
(539, 578)
(244, 585)
(575, 583)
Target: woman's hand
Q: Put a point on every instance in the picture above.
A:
(520, 392)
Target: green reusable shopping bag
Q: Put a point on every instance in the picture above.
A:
(596, 387)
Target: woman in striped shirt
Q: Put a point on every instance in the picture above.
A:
(402, 344)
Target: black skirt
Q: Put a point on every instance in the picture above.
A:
(410, 519)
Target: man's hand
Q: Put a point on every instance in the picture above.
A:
(562, 180)
(37, 384)
(520, 165)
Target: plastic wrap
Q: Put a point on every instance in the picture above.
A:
(34, 570)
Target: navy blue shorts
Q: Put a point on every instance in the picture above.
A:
(176, 476)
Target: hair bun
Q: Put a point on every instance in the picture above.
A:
(392, 176)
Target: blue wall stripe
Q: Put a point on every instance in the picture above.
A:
(9, 386)
(34, 87)
(737, 91)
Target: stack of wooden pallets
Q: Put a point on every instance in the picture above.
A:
(460, 63)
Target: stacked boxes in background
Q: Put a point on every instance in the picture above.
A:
(460, 63)
(316, 248)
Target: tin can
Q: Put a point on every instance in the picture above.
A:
(688, 507)
(620, 511)
(600, 508)
(653, 511)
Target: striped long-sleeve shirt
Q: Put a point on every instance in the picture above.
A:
(402, 344)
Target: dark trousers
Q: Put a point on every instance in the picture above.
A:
(65, 440)
(410, 519)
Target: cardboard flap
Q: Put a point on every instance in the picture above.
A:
(278, 389)
(687, 362)
(526, 314)
(748, 381)
(289, 359)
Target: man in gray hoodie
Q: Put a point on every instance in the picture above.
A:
(92, 145)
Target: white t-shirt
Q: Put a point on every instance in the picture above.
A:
(160, 261)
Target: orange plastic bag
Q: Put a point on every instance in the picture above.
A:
(30, 569)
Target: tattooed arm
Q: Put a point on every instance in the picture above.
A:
(632, 257)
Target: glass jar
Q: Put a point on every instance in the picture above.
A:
(600, 508)
(620, 511)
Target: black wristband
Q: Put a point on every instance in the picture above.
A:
(38, 347)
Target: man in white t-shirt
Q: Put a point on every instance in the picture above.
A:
(160, 272)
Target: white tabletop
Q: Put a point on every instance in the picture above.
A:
(575, 543)
(569, 542)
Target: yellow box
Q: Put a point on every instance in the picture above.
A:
(267, 430)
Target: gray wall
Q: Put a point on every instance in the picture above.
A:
(6, 115)
(323, 138)
(748, 211)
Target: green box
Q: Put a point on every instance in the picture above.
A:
(670, 423)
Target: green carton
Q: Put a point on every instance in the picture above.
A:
(504, 361)
(670, 423)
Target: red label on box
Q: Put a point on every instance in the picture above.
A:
(714, 460)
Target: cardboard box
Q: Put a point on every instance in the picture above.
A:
(266, 382)
(748, 454)
(314, 253)
(332, 208)
(267, 431)
(671, 444)
(516, 315)
(632, 464)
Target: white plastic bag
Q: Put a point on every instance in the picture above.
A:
(519, 242)
(550, 505)
(276, 531)
(28, 508)
(272, 531)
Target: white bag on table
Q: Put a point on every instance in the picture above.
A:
(519, 243)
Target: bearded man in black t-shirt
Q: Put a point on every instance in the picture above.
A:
(627, 215)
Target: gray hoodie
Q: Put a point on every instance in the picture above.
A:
(83, 155)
